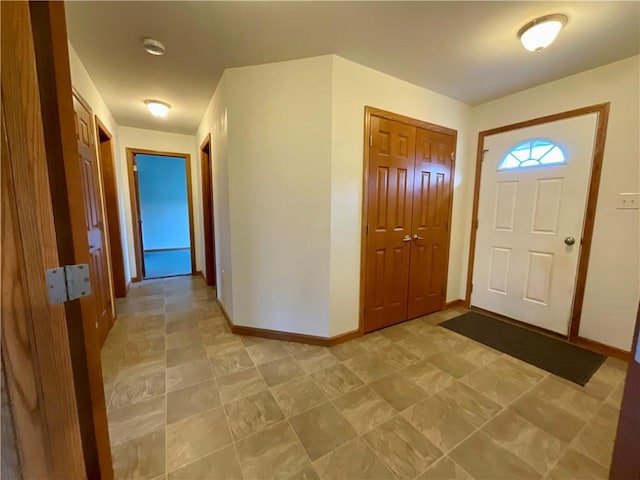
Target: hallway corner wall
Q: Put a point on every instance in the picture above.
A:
(215, 122)
(355, 86)
(279, 167)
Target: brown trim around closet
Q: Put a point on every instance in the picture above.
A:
(602, 110)
(454, 303)
(110, 194)
(287, 336)
(135, 206)
(368, 113)
(208, 224)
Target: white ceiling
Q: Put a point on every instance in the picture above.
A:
(465, 50)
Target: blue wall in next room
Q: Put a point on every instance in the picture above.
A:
(162, 186)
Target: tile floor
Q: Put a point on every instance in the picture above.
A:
(187, 399)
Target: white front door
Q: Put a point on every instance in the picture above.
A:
(532, 203)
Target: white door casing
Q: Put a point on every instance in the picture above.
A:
(523, 269)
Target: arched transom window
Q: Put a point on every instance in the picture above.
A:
(532, 153)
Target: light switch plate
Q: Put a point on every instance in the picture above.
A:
(628, 201)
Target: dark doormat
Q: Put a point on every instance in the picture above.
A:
(560, 358)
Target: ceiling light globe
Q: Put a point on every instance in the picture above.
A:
(541, 32)
(157, 108)
(153, 46)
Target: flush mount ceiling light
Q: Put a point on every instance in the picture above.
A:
(153, 46)
(157, 108)
(541, 32)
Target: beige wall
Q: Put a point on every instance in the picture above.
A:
(353, 87)
(613, 279)
(215, 122)
(287, 174)
(291, 163)
(129, 137)
(279, 161)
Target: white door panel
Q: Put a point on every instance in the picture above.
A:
(523, 269)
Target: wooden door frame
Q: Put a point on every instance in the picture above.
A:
(625, 462)
(65, 358)
(208, 213)
(108, 180)
(368, 113)
(135, 206)
(101, 207)
(602, 109)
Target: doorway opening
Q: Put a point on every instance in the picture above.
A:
(208, 212)
(110, 195)
(162, 213)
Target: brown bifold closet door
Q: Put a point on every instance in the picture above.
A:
(390, 197)
(408, 211)
(430, 225)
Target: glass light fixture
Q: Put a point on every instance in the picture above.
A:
(157, 108)
(153, 46)
(541, 32)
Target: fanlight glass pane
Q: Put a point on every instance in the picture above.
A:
(532, 153)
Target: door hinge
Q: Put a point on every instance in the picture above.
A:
(371, 140)
(68, 283)
(483, 152)
(471, 287)
(367, 232)
(477, 223)
(453, 155)
(135, 167)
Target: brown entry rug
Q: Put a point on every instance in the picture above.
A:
(551, 354)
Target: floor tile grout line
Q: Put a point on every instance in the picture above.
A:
(397, 371)
(479, 427)
(200, 457)
(213, 378)
(582, 429)
(398, 413)
(568, 446)
(224, 410)
(295, 434)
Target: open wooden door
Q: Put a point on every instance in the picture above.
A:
(36, 349)
(626, 454)
(50, 353)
